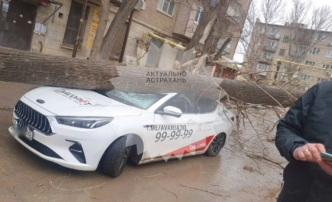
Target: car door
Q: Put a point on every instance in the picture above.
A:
(174, 136)
(208, 119)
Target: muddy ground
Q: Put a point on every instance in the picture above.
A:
(232, 176)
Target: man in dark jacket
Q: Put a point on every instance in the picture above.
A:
(302, 134)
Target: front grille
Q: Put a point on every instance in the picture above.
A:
(40, 147)
(32, 118)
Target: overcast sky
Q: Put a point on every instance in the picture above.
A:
(239, 57)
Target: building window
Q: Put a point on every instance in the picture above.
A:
(321, 80)
(282, 52)
(319, 37)
(221, 42)
(198, 15)
(274, 30)
(166, 6)
(305, 78)
(272, 44)
(267, 55)
(329, 54)
(4, 6)
(286, 39)
(262, 67)
(262, 31)
(310, 63)
(314, 51)
(73, 24)
(327, 66)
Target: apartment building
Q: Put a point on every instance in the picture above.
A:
(51, 27)
(290, 53)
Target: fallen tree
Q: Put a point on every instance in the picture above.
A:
(39, 69)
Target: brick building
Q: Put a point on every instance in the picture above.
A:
(290, 52)
(51, 27)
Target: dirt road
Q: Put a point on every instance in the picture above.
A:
(231, 176)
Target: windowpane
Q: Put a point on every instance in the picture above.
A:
(327, 66)
(262, 67)
(310, 63)
(329, 54)
(198, 14)
(282, 52)
(171, 8)
(70, 36)
(160, 4)
(286, 39)
(314, 51)
(305, 77)
(165, 6)
(73, 23)
(4, 8)
(321, 80)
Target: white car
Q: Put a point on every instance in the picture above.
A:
(83, 129)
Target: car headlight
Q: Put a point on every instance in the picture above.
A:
(84, 122)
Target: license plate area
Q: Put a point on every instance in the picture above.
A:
(29, 134)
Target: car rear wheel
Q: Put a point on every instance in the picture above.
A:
(116, 157)
(216, 145)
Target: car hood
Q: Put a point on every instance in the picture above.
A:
(73, 102)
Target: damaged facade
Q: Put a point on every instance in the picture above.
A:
(51, 27)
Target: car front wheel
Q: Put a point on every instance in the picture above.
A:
(216, 145)
(116, 157)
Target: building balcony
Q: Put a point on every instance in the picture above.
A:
(265, 60)
(233, 15)
(140, 5)
(296, 54)
(302, 40)
(275, 36)
(271, 49)
(185, 24)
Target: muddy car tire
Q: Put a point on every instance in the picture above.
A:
(216, 145)
(116, 157)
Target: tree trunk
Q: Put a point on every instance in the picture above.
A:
(39, 69)
(105, 11)
(199, 32)
(210, 40)
(118, 22)
(219, 28)
(222, 48)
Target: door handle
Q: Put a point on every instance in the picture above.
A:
(191, 121)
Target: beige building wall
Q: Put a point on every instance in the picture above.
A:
(52, 41)
(153, 17)
(316, 74)
(148, 20)
(236, 29)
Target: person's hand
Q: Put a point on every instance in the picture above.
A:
(310, 152)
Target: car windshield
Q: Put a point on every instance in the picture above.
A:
(140, 100)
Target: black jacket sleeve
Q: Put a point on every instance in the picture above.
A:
(290, 128)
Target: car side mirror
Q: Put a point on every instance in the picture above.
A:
(171, 111)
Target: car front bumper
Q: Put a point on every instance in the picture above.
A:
(75, 148)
